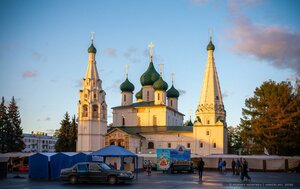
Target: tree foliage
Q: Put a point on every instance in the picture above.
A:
(234, 140)
(271, 119)
(67, 135)
(10, 128)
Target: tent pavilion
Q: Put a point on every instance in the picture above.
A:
(116, 151)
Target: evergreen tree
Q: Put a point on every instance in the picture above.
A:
(3, 127)
(271, 119)
(17, 143)
(63, 141)
(234, 140)
(73, 135)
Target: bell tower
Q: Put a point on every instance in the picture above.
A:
(210, 129)
(92, 108)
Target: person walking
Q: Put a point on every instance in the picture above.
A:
(224, 167)
(220, 165)
(200, 166)
(238, 167)
(148, 169)
(233, 166)
(245, 171)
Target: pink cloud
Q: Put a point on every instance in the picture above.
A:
(29, 74)
(111, 52)
(278, 45)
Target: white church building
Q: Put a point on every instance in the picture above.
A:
(153, 120)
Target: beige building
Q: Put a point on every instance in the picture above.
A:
(154, 121)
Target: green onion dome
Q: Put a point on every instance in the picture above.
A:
(210, 46)
(160, 85)
(92, 49)
(150, 76)
(139, 95)
(127, 86)
(172, 93)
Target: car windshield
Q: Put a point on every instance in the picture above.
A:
(105, 166)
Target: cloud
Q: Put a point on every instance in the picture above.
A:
(29, 74)
(131, 55)
(115, 85)
(277, 45)
(78, 84)
(226, 94)
(111, 52)
(44, 119)
(47, 119)
(38, 56)
(181, 92)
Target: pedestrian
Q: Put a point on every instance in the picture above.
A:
(224, 167)
(200, 166)
(238, 167)
(148, 168)
(245, 171)
(233, 166)
(220, 164)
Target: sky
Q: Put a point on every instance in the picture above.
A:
(43, 50)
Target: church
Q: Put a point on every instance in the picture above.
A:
(153, 119)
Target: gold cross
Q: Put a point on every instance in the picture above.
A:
(161, 68)
(126, 67)
(92, 36)
(151, 45)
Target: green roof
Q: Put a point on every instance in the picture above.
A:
(172, 92)
(137, 130)
(139, 95)
(210, 46)
(92, 49)
(127, 86)
(150, 76)
(160, 85)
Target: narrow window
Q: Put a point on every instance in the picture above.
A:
(123, 120)
(95, 95)
(84, 111)
(217, 97)
(207, 132)
(215, 145)
(124, 98)
(158, 96)
(169, 145)
(95, 111)
(148, 96)
(139, 121)
(188, 145)
(208, 122)
(201, 144)
(171, 102)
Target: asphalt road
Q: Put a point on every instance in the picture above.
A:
(165, 181)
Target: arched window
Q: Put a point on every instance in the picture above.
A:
(207, 122)
(123, 120)
(95, 96)
(95, 111)
(124, 97)
(154, 121)
(84, 110)
(214, 145)
(171, 102)
(158, 96)
(150, 145)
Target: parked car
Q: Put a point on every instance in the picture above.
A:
(95, 172)
(182, 166)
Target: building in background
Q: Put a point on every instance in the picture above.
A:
(39, 142)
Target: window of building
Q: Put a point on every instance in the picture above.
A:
(201, 144)
(207, 122)
(158, 96)
(207, 132)
(148, 96)
(154, 121)
(150, 145)
(84, 110)
(188, 145)
(103, 112)
(123, 120)
(95, 111)
(95, 96)
(215, 145)
(171, 102)
(217, 97)
(169, 145)
(85, 95)
(124, 98)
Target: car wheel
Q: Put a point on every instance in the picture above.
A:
(112, 180)
(73, 179)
